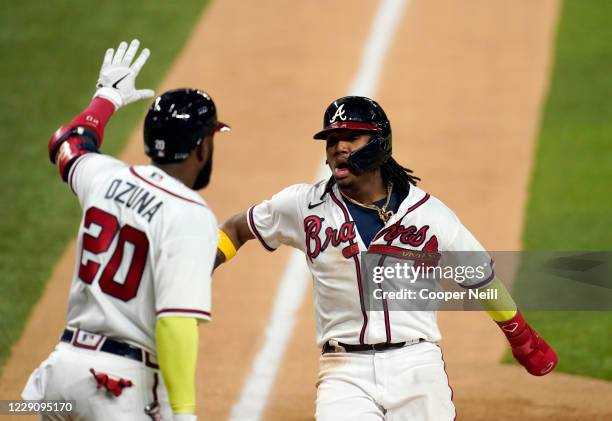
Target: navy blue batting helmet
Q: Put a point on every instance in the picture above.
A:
(176, 123)
(362, 114)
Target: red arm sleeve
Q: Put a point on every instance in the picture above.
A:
(83, 135)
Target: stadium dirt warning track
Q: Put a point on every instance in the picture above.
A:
(463, 84)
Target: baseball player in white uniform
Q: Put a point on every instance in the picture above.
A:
(375, 364)
(146, 248)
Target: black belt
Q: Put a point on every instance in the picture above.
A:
(118, 348)
(328, 347)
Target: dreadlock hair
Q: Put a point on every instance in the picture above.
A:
(401, 177)
(391, 171)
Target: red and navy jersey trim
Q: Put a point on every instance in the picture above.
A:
(133, 171)
(410, 209)
(484, 283)
(357, 270)
(251, 221)
(413, 207)
(382, 259)
(184, 310)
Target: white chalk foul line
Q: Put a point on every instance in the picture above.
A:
(294, 280)
(382, 30)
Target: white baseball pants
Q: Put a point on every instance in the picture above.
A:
(65, 375)
(408, 383)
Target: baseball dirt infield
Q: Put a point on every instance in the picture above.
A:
(463, 84)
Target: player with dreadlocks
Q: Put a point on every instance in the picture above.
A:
(374, 365)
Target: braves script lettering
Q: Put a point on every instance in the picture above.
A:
(313, 225)
(410, 235)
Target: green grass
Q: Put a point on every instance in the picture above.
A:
(51, 57)
(570, 200)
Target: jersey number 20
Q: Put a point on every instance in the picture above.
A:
(109, 227)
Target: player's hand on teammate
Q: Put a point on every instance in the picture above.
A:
(118, 75)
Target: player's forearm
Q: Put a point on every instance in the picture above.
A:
(234, 232)
(177, 347)
(237, 229)
(95, 116)
(503, 307)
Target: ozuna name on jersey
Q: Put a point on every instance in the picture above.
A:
(133, 197)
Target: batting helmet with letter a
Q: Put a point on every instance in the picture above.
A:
(177, 122)
(363, 114)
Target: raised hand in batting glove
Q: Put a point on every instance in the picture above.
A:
(118, 75)
(528, 348)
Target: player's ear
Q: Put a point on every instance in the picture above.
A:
(204, 149)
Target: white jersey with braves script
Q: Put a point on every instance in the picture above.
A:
(145, 250)
(321, 226)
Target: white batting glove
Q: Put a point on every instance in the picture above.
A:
(118, 75)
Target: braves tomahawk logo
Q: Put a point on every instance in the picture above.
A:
(339, 114)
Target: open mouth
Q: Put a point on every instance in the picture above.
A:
(341, 169)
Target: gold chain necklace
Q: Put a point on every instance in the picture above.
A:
(383, 213)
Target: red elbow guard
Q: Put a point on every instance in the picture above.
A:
(67, 144)
(83, 135)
